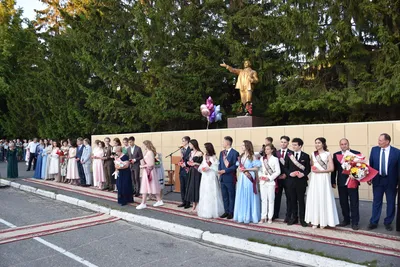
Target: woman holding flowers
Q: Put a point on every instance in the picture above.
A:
(321, 206)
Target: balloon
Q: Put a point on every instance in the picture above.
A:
(217, 109)
(210, 107)
(212, 116)
(218, 117)
(203, 107)
(205, 112)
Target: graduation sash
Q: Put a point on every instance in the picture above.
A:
(323, 164)
(296, 162)
(225, 158)
(248, 175)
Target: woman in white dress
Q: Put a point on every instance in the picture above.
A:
(54, 166)
(269, 171)
(321, 206)
(47, 150)
(72, 167)
(210, 197)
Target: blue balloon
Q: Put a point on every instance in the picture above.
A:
(217, 109)
(218, 117)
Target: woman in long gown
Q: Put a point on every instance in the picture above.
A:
(194, 176)
(150, 183)
(321, 206)
(124, 181)
(54, 166)
(160, 172)
(247, 201)
(64, 161)
(48, 149)
(98, 166)
(39, 160)
(210, 202)
(44, 158)
(72, 169)
(12, 162)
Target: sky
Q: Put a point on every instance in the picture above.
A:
(28, 6)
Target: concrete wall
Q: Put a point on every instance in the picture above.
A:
(362, 137)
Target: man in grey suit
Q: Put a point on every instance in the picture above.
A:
(135, 155)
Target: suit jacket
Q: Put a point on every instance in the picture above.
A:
(186, 158)
(276, 168)
(107, 154)
(137, 155)
(79, 152)
(278, 155)
(230, 171)
(86, 154)
(337, 177)
(291, 167)
(393, 167)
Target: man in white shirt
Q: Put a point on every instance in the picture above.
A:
(32, 154)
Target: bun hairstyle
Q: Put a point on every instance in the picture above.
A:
(323, 141)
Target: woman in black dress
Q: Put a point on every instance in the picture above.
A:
(194, 176)
(124, 182)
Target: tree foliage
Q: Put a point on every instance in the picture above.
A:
(91, 67)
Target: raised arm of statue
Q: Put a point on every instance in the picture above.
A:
(236, 71)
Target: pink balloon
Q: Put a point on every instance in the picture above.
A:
(203, 107)
(210, 107)
(205, 112)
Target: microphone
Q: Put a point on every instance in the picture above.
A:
(181, 147)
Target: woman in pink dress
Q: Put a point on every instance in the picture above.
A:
(98, 171)
(72, 169)
(150, 183)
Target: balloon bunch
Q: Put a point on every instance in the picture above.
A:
(211, 111)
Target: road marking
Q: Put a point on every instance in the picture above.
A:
(55, 247)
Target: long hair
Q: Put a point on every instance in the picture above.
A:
(323, 141)
(117, 141)
(248, 146)
(195, 144)
(209, 149)
(149, 145)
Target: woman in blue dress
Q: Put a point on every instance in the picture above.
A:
(247, 201)
(44, 158)
(39, 158)
(124, 181)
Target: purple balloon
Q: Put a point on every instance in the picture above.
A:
(212, 117)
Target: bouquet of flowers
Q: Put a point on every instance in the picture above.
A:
(60, 154)
(118, 163)
(357, 168)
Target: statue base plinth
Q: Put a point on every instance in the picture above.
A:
(245, 121)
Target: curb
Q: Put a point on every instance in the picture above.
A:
(185, 231)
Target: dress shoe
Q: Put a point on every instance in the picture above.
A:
(388, 227)
(230, 216)
(224, 215)
(286, 220)
(137, 195)
(355, 227)
(304, 224)
(372, 226)
(343, 224)
(187, 206)
(292, 221)
(181, 205)
(275, 217)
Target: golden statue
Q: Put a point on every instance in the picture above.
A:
(247, 77)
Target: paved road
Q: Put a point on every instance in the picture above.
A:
(114, 244)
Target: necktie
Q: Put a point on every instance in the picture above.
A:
(383, 163)
(297, 156)
(283, 153)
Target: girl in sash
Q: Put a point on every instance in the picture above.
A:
(269, 171)
(247, 201)
(194, 176)
(150, 183)
(210, 202)
(321, 206)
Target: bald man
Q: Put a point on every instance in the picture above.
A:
(349, 199)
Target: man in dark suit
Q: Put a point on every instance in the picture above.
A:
(283, 183)
(78, 157)
(339, 180)
(297, 167)
(386, 159)
(108, 165)
(227, 171)
(183, 172)
(135, 156)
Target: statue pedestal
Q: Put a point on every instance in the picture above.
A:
(245, 121)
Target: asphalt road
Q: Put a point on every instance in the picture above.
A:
(114, 244)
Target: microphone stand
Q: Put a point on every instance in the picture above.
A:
(170, 164)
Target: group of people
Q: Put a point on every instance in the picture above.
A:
(247, 186)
